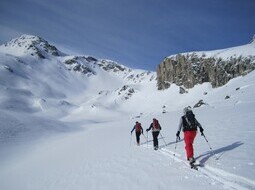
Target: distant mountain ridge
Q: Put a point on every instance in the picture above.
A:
(216, 67)
(40, 48)
(184, 69)
(37, 76)
(87, 64)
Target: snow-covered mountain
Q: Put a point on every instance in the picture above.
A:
(65, 123)
(38, 77)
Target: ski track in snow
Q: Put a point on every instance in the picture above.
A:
(228, 180)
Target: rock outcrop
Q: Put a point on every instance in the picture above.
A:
(195, 68)
(33, 45)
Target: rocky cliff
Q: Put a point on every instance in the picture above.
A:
(216, 67)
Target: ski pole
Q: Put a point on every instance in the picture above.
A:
(130, 139)
(175, 147)
(144, 137)
(162, 138)
(147, 140)
(216, 158)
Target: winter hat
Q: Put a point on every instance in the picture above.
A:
(186, 109)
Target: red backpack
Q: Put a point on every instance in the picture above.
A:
(138, 127)
(155, 124)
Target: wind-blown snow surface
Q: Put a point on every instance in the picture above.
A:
(246, 50)
(63, 130)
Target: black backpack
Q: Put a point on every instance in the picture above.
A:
(189, 121)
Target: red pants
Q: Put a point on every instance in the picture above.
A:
(189, 137)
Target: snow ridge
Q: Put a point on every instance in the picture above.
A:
(247, 50)
(29, 44)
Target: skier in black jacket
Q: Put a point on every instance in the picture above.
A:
(138, 131)
(189, 124)
(155, 126)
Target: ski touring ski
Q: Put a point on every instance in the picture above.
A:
(194, 166)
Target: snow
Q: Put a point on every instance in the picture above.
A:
(58, 132)
(247, 50)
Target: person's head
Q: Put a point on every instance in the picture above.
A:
(136, 122)
(186, 109)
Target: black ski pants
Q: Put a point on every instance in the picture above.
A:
(155, 138)
(138, 137)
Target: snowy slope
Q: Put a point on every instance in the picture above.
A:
(247, 50)
(36, 77)
(67, 126)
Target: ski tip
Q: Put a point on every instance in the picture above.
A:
(194, 168)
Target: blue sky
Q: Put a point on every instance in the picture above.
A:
(136, 33)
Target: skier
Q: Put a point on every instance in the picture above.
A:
(138, 131)
(189, 124)
(155, 126)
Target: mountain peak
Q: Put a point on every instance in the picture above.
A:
(34, 45)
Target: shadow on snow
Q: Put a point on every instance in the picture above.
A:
(216, 152)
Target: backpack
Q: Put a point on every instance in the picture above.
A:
(155, 125)
(138, 127)
(189, 121)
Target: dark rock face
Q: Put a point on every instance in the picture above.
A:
(199, 104)
(38, 46)
(189, 70)
(182, 90)
(80, 64)
(108, 65)
(126, 91)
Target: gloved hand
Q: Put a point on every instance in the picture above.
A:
(178, 136)
(201, 130)
(147, 130)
